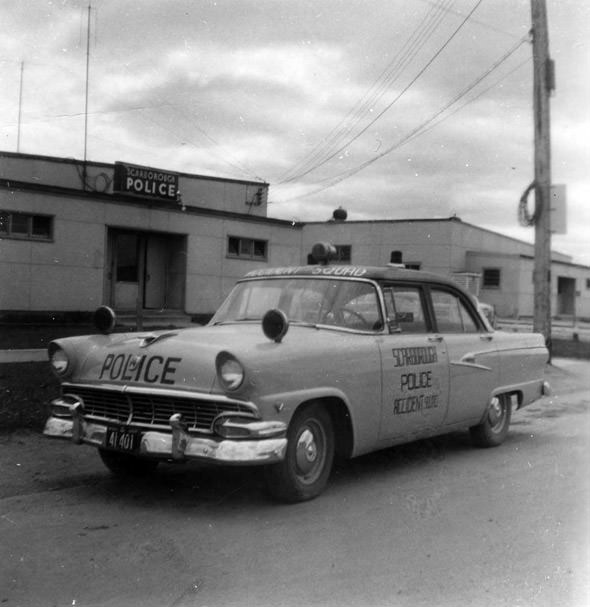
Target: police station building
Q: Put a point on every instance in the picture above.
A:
(76, 235)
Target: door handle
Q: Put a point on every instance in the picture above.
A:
(435, 338)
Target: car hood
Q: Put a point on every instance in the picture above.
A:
(185, 359)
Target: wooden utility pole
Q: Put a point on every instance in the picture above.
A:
(543, 84)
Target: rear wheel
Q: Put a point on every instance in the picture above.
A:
(304, 472)
(494, 428)
(123, 464)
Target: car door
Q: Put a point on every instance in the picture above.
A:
(472, 354)
(414, 366)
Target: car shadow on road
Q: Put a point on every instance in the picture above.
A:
(415, 455)
(192, 485)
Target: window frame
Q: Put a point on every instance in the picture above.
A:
(343, 253)
(392, 323)
(486, 285)
(29, 218)
(468, 304)
(247, 248)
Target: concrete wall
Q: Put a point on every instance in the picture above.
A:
(211, 273)
(515, 296)
(424, 242)
(65, 274)
(68, 274)
(199, 191)
(449, 246)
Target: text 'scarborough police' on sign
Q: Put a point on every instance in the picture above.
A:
(145, 181)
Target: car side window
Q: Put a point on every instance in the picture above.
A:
(451, 314)
(404, 309)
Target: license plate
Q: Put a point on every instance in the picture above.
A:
(122, 440)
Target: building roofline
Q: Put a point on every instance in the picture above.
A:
(109, 165)
(414, 220)
(452, 219)
(561, 262)
(11, 184)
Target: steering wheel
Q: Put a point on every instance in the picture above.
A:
(353, 314)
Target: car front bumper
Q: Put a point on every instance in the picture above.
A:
(177, 444)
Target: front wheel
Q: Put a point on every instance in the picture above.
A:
(304, 472)
(123, 464)
(493, 429)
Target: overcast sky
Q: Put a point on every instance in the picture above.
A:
(392, 109)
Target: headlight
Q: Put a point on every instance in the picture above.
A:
(59, 360)
(229, 371)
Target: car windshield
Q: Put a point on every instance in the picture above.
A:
(351, 304)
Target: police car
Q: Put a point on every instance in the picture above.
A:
(298, 365)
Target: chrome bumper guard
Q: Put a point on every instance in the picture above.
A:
(266, 445)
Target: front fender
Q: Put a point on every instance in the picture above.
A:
(350, 442)
(284, 404)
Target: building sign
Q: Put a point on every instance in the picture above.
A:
(145, 182)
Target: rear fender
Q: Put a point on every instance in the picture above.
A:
(525, 392)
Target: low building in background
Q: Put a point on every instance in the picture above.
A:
(76, 235)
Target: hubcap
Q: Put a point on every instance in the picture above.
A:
(496, 414)
(310, 452)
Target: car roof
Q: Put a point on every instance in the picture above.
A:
(378, 273)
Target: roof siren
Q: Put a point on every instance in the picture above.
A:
(322, 252)
(339, 214)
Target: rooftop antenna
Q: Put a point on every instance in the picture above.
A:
(84, 170)
(20, 106)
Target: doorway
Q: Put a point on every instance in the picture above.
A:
(146, 270)
(566, 296)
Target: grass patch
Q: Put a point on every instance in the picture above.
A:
(25, 390)
(38, 336)
(569, 348)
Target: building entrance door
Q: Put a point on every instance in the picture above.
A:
(125, 271)
(146, 270)
(156, 265)
(566, 296)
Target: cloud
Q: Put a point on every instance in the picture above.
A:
(260, 88)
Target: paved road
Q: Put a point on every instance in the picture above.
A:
(435, 523)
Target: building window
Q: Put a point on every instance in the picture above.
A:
(247, 248)
(343, 253)
(491, 278)
(588, 283)
(396, 257)
(26, 226)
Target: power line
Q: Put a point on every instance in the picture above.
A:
(476, 21)
(320, 154)
(426, 125)
(404, 90)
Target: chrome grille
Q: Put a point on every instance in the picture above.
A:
(150, 409)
